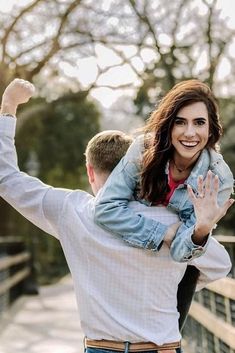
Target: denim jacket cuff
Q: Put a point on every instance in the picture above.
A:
(156, 239)
(194, 249)
(183, 249)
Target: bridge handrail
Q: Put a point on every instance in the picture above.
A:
(12, 260)
(211, 322)
(15, 270)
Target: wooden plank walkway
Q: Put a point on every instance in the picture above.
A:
(48, 322)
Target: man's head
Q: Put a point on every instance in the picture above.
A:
(103, 153)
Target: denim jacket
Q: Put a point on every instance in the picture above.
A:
(113, 214)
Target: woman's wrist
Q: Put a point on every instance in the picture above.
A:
(201, 232)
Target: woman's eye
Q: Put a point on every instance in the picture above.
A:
(179, 122)
(200, 122)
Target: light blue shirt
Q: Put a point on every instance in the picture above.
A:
(113, 214)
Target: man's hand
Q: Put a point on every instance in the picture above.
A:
(170, 234)
(17, 92)
(206, 208)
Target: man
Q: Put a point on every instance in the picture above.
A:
(126, 296)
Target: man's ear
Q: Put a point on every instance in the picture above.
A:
(90, 173)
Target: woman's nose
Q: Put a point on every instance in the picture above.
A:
(189, 130)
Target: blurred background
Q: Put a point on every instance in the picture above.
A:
(100, 65)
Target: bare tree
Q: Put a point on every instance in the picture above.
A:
(42, 36)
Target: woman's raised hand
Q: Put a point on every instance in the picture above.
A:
(206, 208)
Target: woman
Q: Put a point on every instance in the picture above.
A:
(166, 166)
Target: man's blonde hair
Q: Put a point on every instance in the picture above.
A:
(106, 149)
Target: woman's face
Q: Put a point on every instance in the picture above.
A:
(190, 132)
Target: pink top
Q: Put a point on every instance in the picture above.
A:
(173, 185)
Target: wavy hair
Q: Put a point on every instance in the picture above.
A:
(158, 146)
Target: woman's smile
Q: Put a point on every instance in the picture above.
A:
(189, 144)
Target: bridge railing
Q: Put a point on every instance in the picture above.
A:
(210, 327)
(15, 271)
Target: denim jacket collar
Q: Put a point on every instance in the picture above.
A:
(200, 168)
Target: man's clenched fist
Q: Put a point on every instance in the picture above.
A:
(17, 92)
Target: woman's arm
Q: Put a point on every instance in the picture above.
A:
(112, 212)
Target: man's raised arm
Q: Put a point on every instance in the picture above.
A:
(39, 203)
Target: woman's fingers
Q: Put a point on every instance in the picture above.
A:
(216, 185)
(207, 189)
(226, 206)
(210, 186)
(208, 183)
(200, 186)
(191, 194)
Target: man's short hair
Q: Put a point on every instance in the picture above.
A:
(106, 149)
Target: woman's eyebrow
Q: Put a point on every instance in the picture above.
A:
(197, 118)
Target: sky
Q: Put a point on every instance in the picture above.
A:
(122, 75)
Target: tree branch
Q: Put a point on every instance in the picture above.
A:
(55, 47)
(10, 28)
(95, 85)
(145, 19)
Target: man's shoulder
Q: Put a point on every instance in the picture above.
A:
(78, 203)
(79, 196)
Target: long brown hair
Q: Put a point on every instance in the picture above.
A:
(158, 147)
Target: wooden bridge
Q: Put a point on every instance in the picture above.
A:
(49, 321)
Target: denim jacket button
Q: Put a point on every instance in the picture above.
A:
(197, 251)
(152, 246)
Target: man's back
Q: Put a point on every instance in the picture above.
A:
(118, 286)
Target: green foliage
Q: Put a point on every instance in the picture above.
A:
(57, 135)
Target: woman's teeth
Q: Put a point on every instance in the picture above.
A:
(188, 144)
